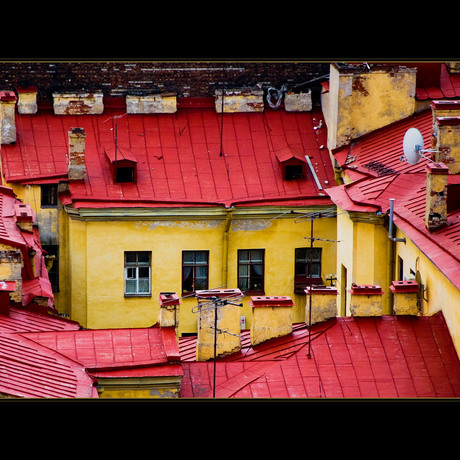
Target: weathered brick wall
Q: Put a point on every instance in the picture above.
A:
(116, 79)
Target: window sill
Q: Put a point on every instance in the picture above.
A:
(138, 295)
(246, 293)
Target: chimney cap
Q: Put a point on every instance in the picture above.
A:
(448, 121)
(169, 298)
(437, 168)
(8, 96)
(219, 293)
(77, 130)
(271, 301)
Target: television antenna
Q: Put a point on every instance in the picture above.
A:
(312, 216)
(413, 147)
(214, 303)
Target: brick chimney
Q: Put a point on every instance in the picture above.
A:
(7, 117)
(446, 139)
(77, 168)
(27, 102)
(228, 323)
(436, 196)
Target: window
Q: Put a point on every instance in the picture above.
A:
(251, 270)
(53, 259)
(302, 268)
(294, 172)
(124, 174)
(49, 197)
(195, 269)
(137, 273)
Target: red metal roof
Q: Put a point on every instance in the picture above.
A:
(409, 192)
(178, 156)
(379, 152)
(112, 349)
(384, 357)
(29, 370)
(22, 320)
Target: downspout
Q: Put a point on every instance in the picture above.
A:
(390, 228)
(391, 256)
(228, 223)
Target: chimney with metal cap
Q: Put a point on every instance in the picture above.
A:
(77, 168)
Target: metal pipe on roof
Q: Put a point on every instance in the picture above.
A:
(313, 172)
(390, 228)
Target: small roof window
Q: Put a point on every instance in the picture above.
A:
(293, 164)
(123, 164)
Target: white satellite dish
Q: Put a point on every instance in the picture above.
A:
(412, 144)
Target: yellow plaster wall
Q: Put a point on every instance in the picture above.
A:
(360, 102)
(96, 263)
(364, 251)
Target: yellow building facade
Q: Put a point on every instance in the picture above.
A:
(96, 292)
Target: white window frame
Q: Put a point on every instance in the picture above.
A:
(136, 265)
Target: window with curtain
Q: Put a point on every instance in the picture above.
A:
(302, 268)
(137, 273)
(251, 268)
(195, 270)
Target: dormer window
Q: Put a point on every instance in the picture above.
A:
(123, 164)
(124, 174)
(292, 164)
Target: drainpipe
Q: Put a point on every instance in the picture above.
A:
(228, 223)
(390, 228)
(391, 257)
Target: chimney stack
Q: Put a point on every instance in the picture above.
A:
(436, 196)
(27, 102)
(77, 168)
(218, 320)
(7, 117)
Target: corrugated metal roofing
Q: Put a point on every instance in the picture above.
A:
(178, 156)
(385, 357)
(379, 152)
(111, 349)
(29, 370)
(20, 320)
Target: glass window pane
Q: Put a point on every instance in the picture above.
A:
(243, 284)
(144, 272)
(144, 285)
(257, 270)
(256, 255)
(143, 257)
(188, 257)
(130, 257)
(130, 287)
(244, 271)
(201, 272)
(243, 255)
(200, 284)
(131, 273)
(201, 257)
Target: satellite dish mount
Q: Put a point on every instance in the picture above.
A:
(413, 147)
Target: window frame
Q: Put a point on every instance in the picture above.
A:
(193, 265)
(48, 192)
(136, 266)
(302, 279)
(250, 290)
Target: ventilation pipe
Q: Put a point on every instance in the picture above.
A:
(390, 229)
